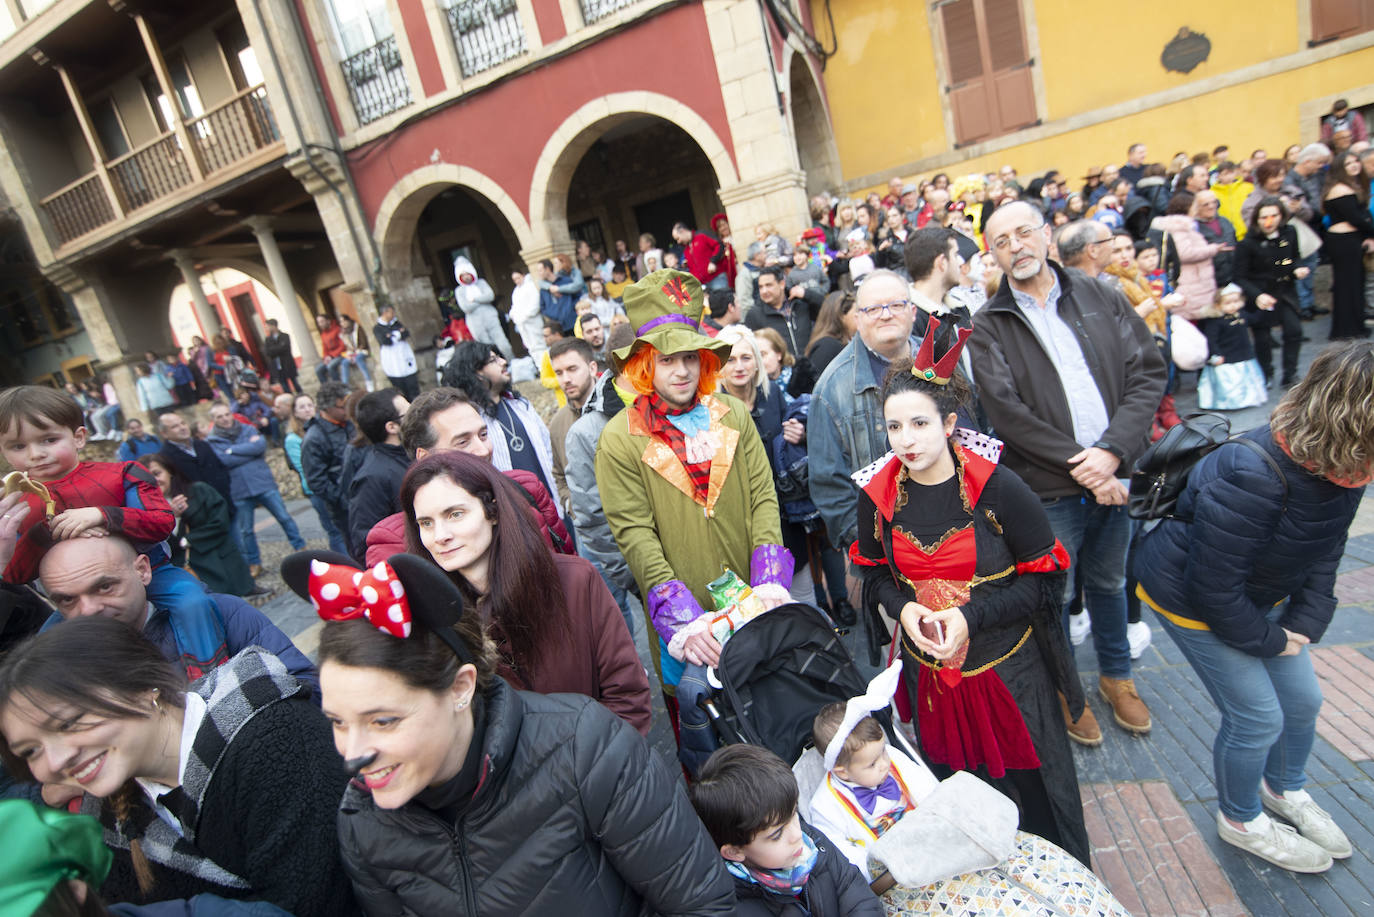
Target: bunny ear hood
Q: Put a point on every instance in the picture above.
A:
(461, 266)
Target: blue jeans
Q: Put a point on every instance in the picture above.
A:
(336, 539)
(1268, 716)
(329, 369)
(1305, 284)
(273, 503)
(359, 359)
(1097, 537)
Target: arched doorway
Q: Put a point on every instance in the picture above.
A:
(623, 159)
(242, 303)
(431, 217)
(643, 174)
(816, 150)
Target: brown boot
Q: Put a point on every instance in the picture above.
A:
(1130, 711)
(1083, 730)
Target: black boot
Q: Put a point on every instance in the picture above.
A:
(843, 613)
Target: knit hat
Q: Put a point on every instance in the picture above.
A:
(665, 310)
(42, 848)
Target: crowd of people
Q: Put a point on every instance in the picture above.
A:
(916, 418)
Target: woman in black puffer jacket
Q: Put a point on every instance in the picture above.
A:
(473, 798)
(1243, 580)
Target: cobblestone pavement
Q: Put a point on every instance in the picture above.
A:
(1150, 802)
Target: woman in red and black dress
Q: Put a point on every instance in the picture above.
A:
(960, 548)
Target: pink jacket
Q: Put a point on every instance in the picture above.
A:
(1196, 281)
(388, 537)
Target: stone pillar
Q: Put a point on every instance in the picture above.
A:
(772, 187)
(93, 306)
(186, 263)
(285, 290)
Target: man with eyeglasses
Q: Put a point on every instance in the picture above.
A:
(1069, 378)
(845, 429)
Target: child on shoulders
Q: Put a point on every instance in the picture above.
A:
(42, 433)
(747, 798)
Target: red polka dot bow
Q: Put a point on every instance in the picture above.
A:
(342, 593)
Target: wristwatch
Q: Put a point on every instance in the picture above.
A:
(1103, 444)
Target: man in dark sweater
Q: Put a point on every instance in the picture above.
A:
(322, 450)
(375, 490)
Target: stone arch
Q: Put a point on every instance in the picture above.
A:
(812, 133)
(401, 208)
(574, 137)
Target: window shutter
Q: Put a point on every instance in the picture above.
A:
(1006, 38)
(961, 41)
(1332, 19)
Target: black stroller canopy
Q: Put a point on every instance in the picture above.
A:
(778, 671)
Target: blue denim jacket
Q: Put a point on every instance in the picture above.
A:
(844, 433)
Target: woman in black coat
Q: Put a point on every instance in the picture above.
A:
(1268, 267)
(247, 811)
(472, 798)
(1242, 578)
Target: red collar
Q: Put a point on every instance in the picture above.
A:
(973, 471)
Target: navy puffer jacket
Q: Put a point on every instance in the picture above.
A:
(1244, 551)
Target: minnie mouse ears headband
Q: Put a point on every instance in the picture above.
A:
(394, 596)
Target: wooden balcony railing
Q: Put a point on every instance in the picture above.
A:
(234, 130)
(78, 208)
(152, 171)
(228, 133)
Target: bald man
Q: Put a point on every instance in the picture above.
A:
(106, 576)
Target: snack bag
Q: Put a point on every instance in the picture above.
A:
(736, 603)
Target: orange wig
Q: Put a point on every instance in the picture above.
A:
(639, 369)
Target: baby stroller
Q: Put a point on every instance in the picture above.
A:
(775, 673)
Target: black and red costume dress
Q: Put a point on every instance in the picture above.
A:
(980, 541)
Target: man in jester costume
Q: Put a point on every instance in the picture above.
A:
(684, 478)
(960, 550)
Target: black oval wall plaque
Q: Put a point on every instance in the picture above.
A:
(1185, 51)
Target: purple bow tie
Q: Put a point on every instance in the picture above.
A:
(868, 797)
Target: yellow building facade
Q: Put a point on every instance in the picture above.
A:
(1087, 81)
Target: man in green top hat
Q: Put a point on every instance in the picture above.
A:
(684, 478)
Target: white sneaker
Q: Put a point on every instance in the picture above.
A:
(1138, 636)
(1276, 843)
(1312, 821)
(1080, 625)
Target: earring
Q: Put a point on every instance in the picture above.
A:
(156, 708)
(462, 704)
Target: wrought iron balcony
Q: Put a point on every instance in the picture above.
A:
(376, 81)
(486, 33)
(596, 10)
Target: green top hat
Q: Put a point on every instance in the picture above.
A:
(664, 309)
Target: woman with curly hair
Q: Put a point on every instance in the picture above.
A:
(1242, 579)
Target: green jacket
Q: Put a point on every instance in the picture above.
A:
(662, 531)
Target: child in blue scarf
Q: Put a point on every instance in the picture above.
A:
(747, 798)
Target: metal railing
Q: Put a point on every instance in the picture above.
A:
(234, 130)
(376, 81)
(596, 10)
(79, 208)
(486, 33)
(152, 171)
